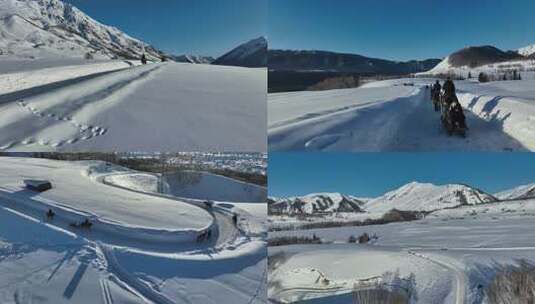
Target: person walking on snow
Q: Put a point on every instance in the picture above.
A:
(143, 59)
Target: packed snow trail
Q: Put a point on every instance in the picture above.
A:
(389, 118)
(461, 279)
(35, 79)
(177, 263)
(198, 107)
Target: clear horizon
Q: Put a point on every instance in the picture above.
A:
(202, 27)
(373, 174)
(399, 30)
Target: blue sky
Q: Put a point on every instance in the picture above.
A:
(397, 29)
(372, 174)
(199, 27)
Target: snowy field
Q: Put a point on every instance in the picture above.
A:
(142, 248)
(450, 256)
(397, 115)
(111, 106)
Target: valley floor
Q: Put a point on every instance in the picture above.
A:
(397, 115)
(451, 256)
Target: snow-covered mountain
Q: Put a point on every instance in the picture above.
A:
(195, 59)
(315, 203)
(520, 192)
(45, 28)
(527, 50)
(483, 58)
(250, 54)
(428, 197)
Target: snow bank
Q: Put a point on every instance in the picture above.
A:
(515, 116)
(136, 181)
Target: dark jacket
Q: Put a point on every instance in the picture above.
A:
(449, 88)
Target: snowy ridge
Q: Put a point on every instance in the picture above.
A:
(195, 59)
(315, 203)
(484, 59)
(527, 50)
(517, 193)
(47, 28)
(410, 197)
(250, 54)
(428, 197)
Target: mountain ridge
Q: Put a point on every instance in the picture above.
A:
(37, 28)
(319, 60)
(414, 196)
(252, 54)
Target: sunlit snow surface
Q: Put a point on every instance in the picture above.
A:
(451, 255)
(397, 115)
(48, 261)
(156, 107)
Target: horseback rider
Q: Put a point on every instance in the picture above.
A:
(437, 87)
(50, 214)
(456, 114)
(435, 95)
(449, 87)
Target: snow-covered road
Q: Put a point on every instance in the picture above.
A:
(157, 107)
(394, 116)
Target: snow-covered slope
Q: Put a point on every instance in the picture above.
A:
(52, 28)
(527, 50)
(484, 59)
(428, 197)
(520, 192)
(156, 107)
(315, 203)
(250, 54)
(49, 261)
